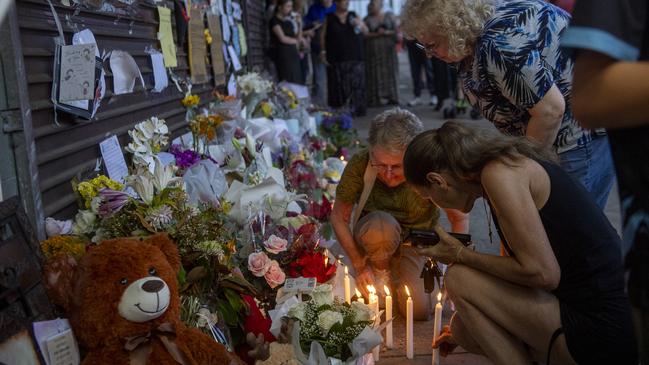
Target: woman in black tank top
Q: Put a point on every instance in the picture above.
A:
(558, 295)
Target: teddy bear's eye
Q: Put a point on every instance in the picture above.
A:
(124, 281)
(152, 271)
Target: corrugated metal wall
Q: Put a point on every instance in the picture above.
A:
(66, 149)
(257, 32)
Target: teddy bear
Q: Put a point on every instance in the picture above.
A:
(123, 305)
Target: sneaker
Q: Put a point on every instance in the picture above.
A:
(434, 100)
(414, 102)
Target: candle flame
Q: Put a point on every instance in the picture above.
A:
(326, 260)
(342, 158)
(358, 294)
(387, 290)
(346, 271)
(370, 289)
(439, 297)
(407, 290)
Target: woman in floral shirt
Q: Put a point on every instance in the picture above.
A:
(513, 70)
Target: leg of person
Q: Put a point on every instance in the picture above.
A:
(503, 317)
(319, 81)
(415, 72)
(379, 234)
(641, 322)
(441, 76)
(357, 84)
(335, 88)
(578, 163)
(430, 80)
(410, 265)
(602, 171)
(459, 221)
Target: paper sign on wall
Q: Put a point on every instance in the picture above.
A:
(218, 63)
(197, 47)
(125, 72)
(242, 40)
(236, 11)
(77, 72)
(235, 59)
(113, 157)
(165, 36)
(159, 72)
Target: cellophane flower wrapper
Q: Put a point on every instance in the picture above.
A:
(204, 182)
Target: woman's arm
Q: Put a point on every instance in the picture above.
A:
(610, 94)
(323, 44)
(534, 263)
(545, 117)
(277, 29)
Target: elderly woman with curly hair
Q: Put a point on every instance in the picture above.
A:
(513, 70)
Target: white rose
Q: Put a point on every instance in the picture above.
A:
(327, 319)
(323, 294)
(84, 222)
(361, 312)
(298, 311)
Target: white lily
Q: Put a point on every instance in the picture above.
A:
(163, 175)
(143, 186)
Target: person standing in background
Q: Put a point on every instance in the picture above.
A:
(341, 43)
(284, 41)
(381, 64)
(418, 62)
(514, 71)
(611, 90)
(313, 22)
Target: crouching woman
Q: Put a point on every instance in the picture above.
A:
(558, 295)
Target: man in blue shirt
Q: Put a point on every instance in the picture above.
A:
(314, 20)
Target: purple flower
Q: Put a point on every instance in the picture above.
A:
(328, 122)
(184, 159)
(112, 201)
(345, 121)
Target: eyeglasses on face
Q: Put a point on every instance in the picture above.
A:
(385, 168)
(429, 49)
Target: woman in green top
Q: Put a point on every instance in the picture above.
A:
(392, 208)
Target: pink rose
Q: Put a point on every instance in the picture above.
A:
(258, 263)
(275, 276)
(275, 244)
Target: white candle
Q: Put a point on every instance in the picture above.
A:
(348, 287)
(374, 306)
(389, 342)
(438, 326)
(359, 297)
(409, 327)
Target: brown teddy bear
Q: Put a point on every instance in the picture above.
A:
(122, 301)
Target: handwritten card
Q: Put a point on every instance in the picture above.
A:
(159, 72)
(77, 72)
(218, 63)
(197, 47)
(165, 36)
(113, 157)
(56, 342)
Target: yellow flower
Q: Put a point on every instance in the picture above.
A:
(266, 109)
(74, 246)
(89, 189)
(191, 100)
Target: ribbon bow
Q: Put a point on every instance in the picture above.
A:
(139, 347)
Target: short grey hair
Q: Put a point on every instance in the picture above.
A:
(394, 129)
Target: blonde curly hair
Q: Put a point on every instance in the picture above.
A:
(461, 21)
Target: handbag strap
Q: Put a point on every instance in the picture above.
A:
(368, 183)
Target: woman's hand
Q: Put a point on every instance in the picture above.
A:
(364, 277)
(446, 251)
(323, 58)
(444, 342)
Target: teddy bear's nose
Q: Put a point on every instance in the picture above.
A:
(152, 286)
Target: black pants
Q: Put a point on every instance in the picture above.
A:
(445, 79)
(419, 61)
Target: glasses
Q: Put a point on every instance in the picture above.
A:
(387, 168)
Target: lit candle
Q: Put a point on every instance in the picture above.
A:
(438, 326)
(374, 306)
(359, 297)
(409, 326)
(348, 287)
(326, 257)
(388, 316)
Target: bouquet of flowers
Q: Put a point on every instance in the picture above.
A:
(336, 129)
(340, 330)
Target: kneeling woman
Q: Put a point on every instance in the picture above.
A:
(559, 293)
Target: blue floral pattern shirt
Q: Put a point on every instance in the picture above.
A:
(516, 61)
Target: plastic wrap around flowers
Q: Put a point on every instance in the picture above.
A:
(327, 330)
